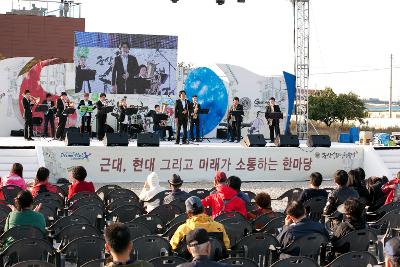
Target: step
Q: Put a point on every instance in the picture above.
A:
(27, 157)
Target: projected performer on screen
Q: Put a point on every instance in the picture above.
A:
(273, 124)
(125, 68)
(235, 117)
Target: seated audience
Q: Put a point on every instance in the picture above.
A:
(175, 184)
(392, 252)
(235, 183)
(119, 244)
(199, 246)
(24, 215)
(376, 196)
(357, 183)
(297, 225)
(391, 189)
(15, 177)
(197, 219)
(340, 194)
(225, 199)
(263, 202)
(78, 176)
(150, 189)
(314, 190)
(42, 184)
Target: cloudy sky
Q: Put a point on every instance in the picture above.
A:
(351, 40)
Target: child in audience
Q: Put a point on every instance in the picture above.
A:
(78, 176)
(150, 189)
(15, 177)
(392, 189)
(42, 184)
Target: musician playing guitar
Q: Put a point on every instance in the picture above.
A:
(272, 123)
(194, 119)
(86, 116)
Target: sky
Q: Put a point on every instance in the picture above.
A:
(348, 37)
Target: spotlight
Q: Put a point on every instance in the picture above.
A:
(220, 2)
(174, 1)
(241, 1)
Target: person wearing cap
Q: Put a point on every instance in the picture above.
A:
(197, 219)
(225, 198)
(392, 252)
(150, 189)
(175, 183)
(199, 246)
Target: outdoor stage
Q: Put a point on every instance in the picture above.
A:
(194, 162)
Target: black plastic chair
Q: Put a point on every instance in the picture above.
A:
(391, 218)
(83, 250)
(125, 213)
(10, 192)
(103, 191)
(239, 262)
(3, 215)
(152, 221)
(179, 203)
(315, 208)
(200, 193)
(166, 212)
(80, 195)
(121, 202)
(167, 261)
(92, 199)
(138, 229)
(119, 193)
(159, 196)
(61, 223)
(231, 214)
(356, 241)
(34, 263)
(93, 213)
(373, 216)
(236, 229)
(250, 194)
(260, 221)
(150, 247)
(354, 259)
(273, 226)
(171, 230)
(74, 231)
(95, 263)
(53, 200)
(49, 213)
(291, 195)
(307, 246)
(21, 232)
(296, 262)
(5, 208)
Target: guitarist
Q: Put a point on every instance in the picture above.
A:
(86, 116)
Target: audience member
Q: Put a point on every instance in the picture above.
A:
(78, 176)
(314, 190)
(356, 182)
(119, 244)
(199, 246)
(235, 183)
(376, 196)
(392, 252)
(175, 184)
(197, 219)
(225, 199)
(392, 189)
(263, 202)
(42, 184)
(297, 225)
(15, 177)
(340, 194)
(150, 189)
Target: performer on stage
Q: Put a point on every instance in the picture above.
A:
(49, 116)
(62, 104)
(272, 123)
(235, 120)
(123, 119)
(101, 117)
(181, 116)
(86, 116)
(28, 104)
(161, 126)
(194, 119)
(125, 68)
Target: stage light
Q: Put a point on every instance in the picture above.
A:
(174, 1)
(220, 2)
(241, 1)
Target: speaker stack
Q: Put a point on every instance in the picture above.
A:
(254, 140)
(116, 139)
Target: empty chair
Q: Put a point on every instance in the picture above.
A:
(103, 191)
(21, 232)
(95, 263)
(80, 195)
(391, 218)
(236, 228)
(91, 199)
(3, 214)
(10, 192)
(180, 218)
(34, 263)
(166, 212)
(138, 229)
(291, 195)
(120, 202)
(296, 262)
(239, 262)
(83, 250)
(5, 208)
(354, 259)
(91, 212)
(74, 231)
(307, 246)
(315, 208)
(125, 213)
(201, 193)
(48, 212)
(260, 221)
(167, 261)
(50, 199)
(172, 229)
(273, 226)
(61, 223)
(149, 247)
(231, 214)
(118, 193)
(152, 221)
(355, 241)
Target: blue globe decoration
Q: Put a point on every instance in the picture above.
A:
(211, 94)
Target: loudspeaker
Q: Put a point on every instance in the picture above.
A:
(222, 133)
(254, 140)
(18, 133)
(116, 139)
(319, 141)
(148, 139)
(287, 140)
(77, 139)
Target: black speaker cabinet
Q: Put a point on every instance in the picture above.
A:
(287, 140)
(319, 141)
(116, 139)
(222, 133)
(254, 140)
(77, 139)
(148, 139)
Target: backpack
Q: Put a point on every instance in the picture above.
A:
(226, 202)
(42, 189)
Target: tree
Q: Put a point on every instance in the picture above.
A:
(350, 107)
(321, 107)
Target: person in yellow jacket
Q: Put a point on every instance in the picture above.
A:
(197, 219)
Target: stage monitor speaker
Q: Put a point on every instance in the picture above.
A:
(116, 139)
(254, 140)
(148, 139)
(319, 141)
(287, 140)
(222, 133)
(77, 139)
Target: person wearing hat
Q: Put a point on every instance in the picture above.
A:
(150, 189)
(197, 219)
(199, 246)
(175, 183)
(392, 252)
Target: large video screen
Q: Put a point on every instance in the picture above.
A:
(115, 63)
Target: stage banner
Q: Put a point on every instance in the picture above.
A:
(133, 164)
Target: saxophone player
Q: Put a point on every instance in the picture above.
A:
(194, 119)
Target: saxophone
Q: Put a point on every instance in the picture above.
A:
(195, 115)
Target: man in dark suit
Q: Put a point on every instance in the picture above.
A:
(235, 120)
(81, 75)
(101, 117)
(27, 104)
(49, 116)
(62, 117)
(195, 119)
(125, 68)
(181, 116)
(86, 116)
(273, 123)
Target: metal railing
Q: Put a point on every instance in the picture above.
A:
(65, 8)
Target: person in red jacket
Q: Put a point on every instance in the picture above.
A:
(78, 175)
(225, 199)
(392, 189)
(42, 184)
